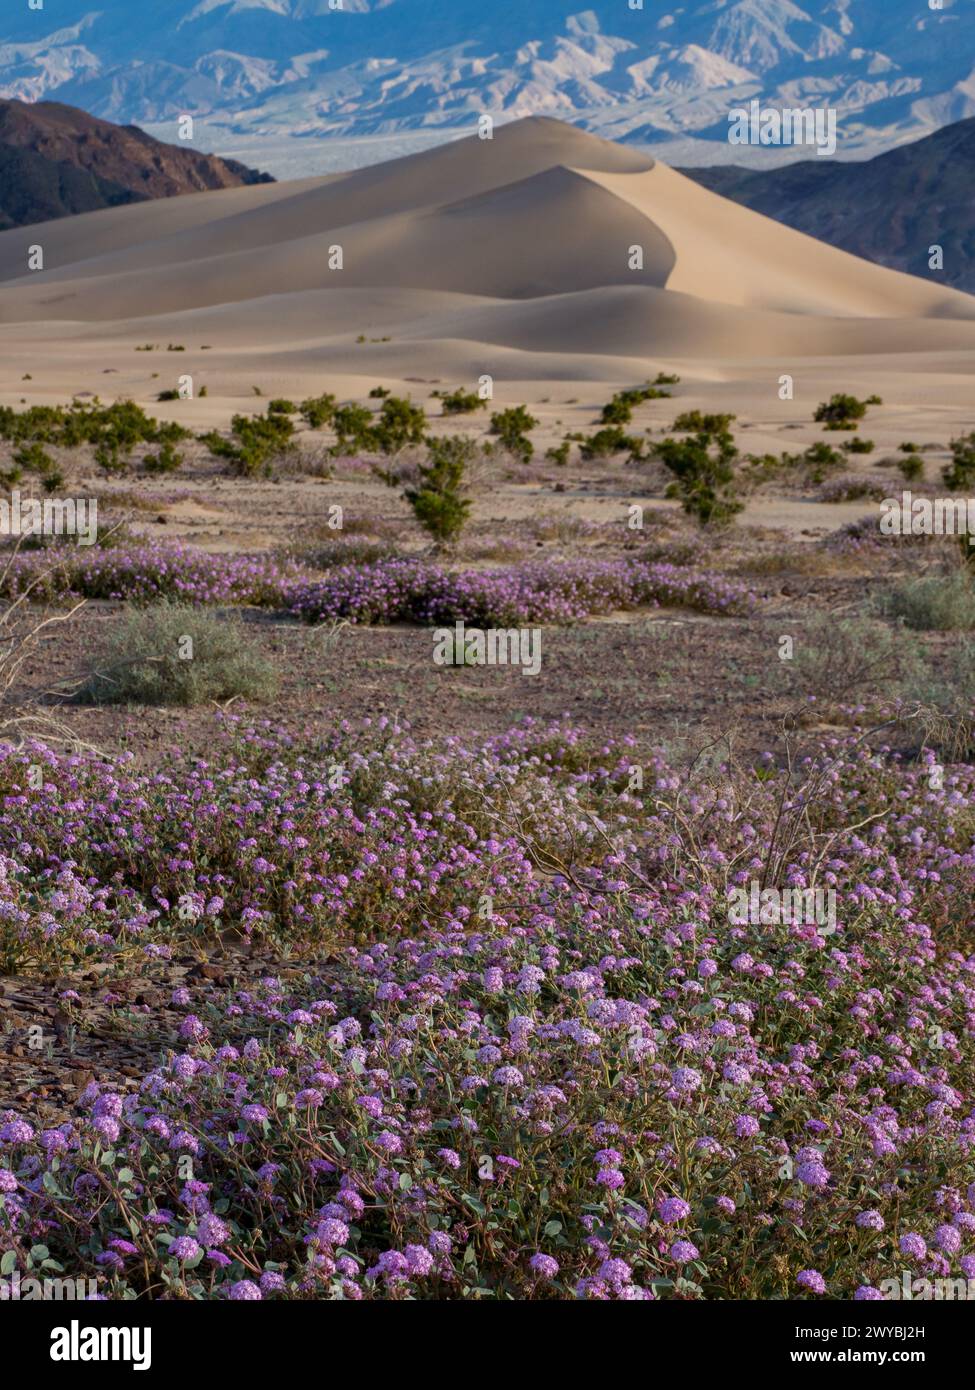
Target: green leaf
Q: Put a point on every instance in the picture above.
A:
(9, 1262)
(552, 1228)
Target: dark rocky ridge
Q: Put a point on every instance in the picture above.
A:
(56, 160)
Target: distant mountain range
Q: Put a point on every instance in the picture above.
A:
(894, 69)
(891, 209)
(56, 160)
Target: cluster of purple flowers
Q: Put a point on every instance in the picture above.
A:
(373, 590)
(152, 570)
(701, 1103)
(408, 590)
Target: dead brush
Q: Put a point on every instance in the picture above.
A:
(22, 630)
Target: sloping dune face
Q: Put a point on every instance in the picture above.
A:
(543, 240)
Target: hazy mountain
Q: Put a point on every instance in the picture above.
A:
(55, 160)
(891, 209)
(894, 68)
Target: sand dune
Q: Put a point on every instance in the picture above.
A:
(514, 250)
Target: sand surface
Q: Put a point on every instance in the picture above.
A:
(511, 258)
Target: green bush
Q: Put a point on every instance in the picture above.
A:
(617, 412)
(166, 461)
(842, 659)
(512, 427)
(841, 411)
(611, 440)
(438, 500)
(33, 458)
(936, 603)
(959, 475)
(175, 654)
(317, 411)
(911, 468)
(400, 423)
(693, 422)
(112, 431)
(257, 441)
(461, 402)
(703, 468)
(818, 460)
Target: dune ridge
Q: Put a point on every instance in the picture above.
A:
(524, 244)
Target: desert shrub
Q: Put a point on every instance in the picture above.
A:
(852, 489)
(34, 458)
(379, 393)
(694, 422)
(400, 423)
(843, 659)
(317, 411)
(856, 445)
(176, 654)
(111, 460)
(612, 439)
(818, 460)
(512, 427)
(935, 603)
(346, 550)
(619, 411)
(559, 454)
(616, 412)
(811, 466)
(280, 406)
(842, 411)
(959, 475)
(438, 500)
(911, 468)
(703, 468)
(460, 402)
(257, 441)
(112, 431)
(166, 461)
(947, 700)
(353, 426)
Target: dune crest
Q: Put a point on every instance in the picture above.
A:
(543, 240)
